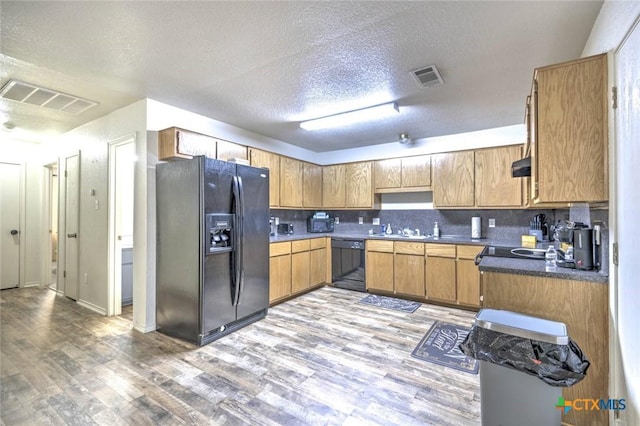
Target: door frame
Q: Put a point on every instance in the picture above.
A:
(114, 278)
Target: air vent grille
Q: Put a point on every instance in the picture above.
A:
(427, 76)
(28, 93)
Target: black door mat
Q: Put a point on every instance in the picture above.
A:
(391, 303)
(440, 346)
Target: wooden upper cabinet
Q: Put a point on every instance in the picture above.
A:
(311, 185)
(175, 143)
(409, 174)
(290, 182)
(454, 184)
(271, 161)
(334, 186)
(416, 172)
(359, 185)
(229, 150)
(569, 118)
(388, 174)
(494, 185)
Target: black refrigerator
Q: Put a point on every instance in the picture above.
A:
(212, 252)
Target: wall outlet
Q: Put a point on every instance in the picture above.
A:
(97, 205)
(361, 221)
(492, 223)
(376, 221)
(337, 220)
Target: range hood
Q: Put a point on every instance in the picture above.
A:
(521, 168)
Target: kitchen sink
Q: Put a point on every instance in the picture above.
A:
(529, 252)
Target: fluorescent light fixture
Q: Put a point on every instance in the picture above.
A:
(351, 117)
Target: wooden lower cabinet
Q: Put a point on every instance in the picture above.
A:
(468, 276)
(582, 306)
(279, 277)
(440, 272)
(408, 268)
(296, 266)
(379, 264)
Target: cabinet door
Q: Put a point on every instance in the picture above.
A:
(279, 277)
(409, 274)
(229, 150)
(494, 185)
(311, 185)
(379, 273)
(333, 186)
(571, 145)
(440, 278)
(388, 174)
(359, 188)
(318, 266)
(290, 182)
(454, 180)
(300, 263)
(271, 161)
(416, 171)
(468, 280)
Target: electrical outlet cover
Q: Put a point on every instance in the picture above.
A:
(360, 220)
(376, 221)
(492, 223)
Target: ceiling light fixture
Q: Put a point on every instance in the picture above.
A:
(404, 138)
(351, 117)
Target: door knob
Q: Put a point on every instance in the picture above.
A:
(14, 232)
(74, 235)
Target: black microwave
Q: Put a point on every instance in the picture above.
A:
(315, 224)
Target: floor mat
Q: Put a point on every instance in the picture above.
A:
(391, 303)
(440, 346)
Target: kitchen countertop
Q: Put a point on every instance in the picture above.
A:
(531, 267)
(489, 264)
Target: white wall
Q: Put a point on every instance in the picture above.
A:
(613, 23)
(92, 139)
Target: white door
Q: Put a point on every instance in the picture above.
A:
(72, 190)
(9, 225)
(627, 199)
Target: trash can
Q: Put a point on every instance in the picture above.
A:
(524, 363)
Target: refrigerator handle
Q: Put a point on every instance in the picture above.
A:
(237, 252)
(240, 246)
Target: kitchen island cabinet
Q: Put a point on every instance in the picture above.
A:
(582, 306)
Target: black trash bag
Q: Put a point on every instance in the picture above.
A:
(556, 365)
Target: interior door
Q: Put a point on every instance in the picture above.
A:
(72, 189)
(9, 225)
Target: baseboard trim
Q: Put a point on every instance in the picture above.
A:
(91, 306)
(31, 284)
(145, 329)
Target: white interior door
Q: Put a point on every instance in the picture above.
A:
(72, 190)
(9, 225)
(627, 199)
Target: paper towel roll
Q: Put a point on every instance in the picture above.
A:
(476, 227)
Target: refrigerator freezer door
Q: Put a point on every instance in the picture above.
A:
(254, 291)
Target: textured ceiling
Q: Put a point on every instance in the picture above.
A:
(265, 66)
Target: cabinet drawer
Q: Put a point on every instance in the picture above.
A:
(300, 245)
(383, 246)
(468, 252)
(441, 250)
(278, 249)
(317, 243)
(403, 247)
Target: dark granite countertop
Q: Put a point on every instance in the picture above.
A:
(489, 264)
(537, 268)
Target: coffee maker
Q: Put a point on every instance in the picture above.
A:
(587, 248)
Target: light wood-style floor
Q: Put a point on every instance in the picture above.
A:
(320, 359)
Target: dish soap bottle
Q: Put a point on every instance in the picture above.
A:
(389, 230)
(436, 230)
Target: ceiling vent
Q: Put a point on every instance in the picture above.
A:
(27, 93)
(427, 76)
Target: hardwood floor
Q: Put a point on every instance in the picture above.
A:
(319, 359)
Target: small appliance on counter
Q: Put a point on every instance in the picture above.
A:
(320, 222)
(272, 226)
(476, 227)
(285, 228)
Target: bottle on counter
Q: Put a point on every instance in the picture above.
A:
(550, 257)
(436, 230)
(389, 230)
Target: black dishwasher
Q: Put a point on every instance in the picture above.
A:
(347, 264)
